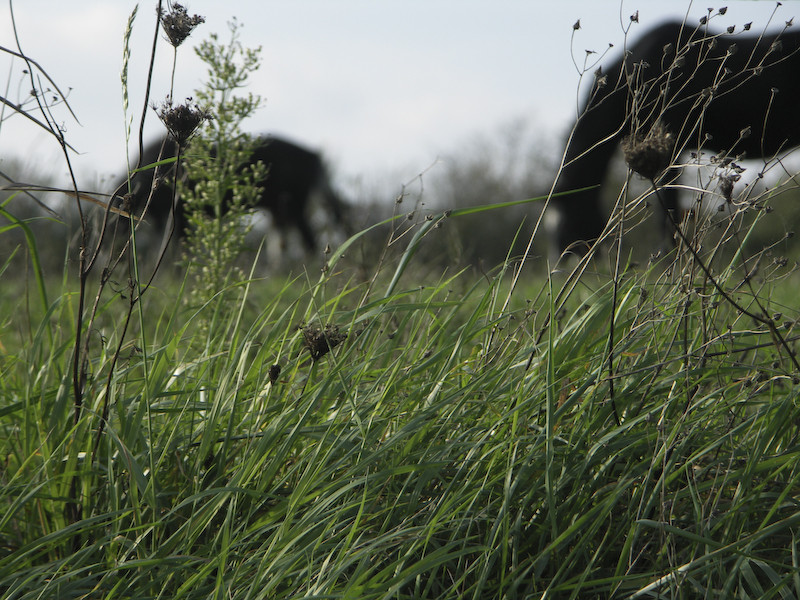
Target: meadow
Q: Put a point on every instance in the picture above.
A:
(381, 425)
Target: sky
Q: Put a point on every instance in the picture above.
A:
(381, 87)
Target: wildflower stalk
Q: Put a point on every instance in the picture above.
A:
(224, 185)
(650, 156)
(181, 123)
(763, 319)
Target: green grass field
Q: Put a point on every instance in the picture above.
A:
(496, 436)
(390, 427)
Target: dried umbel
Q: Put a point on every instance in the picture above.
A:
(726, 183)
(177, 23)
(274, 373)
(181, 121)
(649, 155)
(321, 341)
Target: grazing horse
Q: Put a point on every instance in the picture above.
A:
(294, 176)
(735, 94)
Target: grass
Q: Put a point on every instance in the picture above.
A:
(392, 429)
(455, 444)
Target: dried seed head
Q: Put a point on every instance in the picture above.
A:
(178, 25)
(321, 341)
(274, 373)
(726, 183)
(127, 203)
(649, 155)
(599, 78)
(181, 121)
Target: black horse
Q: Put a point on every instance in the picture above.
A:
(294, 176)
(734, 94)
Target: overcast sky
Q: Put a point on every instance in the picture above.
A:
(381, 86)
